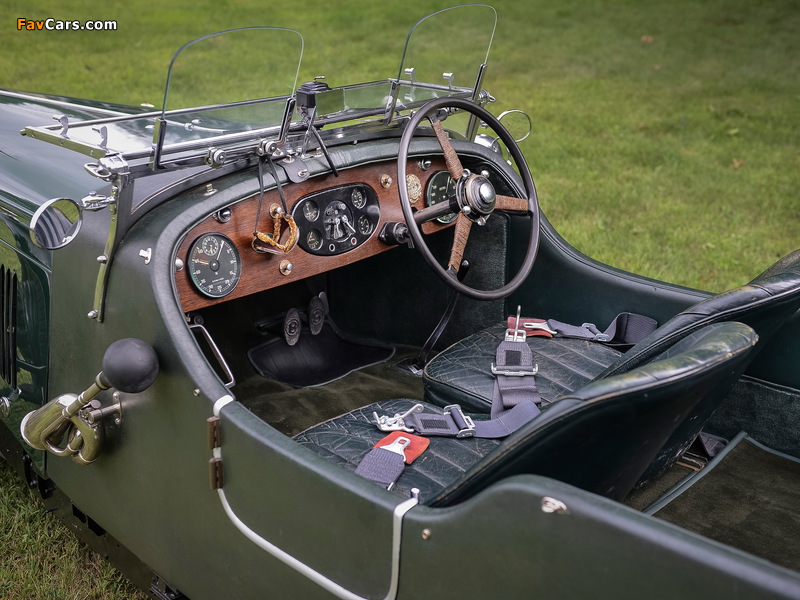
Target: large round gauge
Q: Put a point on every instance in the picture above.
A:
(441, 188)
(214, 265)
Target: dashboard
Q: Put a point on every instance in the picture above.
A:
(338, 222)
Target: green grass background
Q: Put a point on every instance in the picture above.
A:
(665, 142)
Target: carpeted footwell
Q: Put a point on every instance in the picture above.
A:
(749, 500)
(292, 410)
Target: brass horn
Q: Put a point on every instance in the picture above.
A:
(129, 365)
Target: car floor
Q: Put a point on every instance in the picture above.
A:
(291, 409)
(748, 497)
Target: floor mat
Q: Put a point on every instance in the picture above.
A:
(750, 500)
(315, 359)
(292, 410)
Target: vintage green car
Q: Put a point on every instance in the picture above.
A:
(320, 342)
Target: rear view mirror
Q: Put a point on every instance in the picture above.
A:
(55, 223)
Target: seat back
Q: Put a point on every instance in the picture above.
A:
(603, 436)
(764, 304)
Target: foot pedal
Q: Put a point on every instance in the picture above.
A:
(292, 326)
(317, 311)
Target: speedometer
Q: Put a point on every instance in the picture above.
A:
(441, 188)
(214, 265)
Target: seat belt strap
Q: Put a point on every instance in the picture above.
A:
(514, 399)
(625, 330)
(384, 465)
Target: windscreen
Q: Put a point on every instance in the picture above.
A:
(231, 81)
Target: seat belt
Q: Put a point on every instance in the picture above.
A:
(514, 404)
(625, 330)
(514, 399)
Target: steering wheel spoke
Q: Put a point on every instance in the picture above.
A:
(511, 204)
(461, 236)
(450, 157)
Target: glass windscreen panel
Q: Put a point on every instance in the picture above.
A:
(231, 82)
(444, 53)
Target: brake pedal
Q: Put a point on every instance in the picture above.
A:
(292, 325)
(317, 311)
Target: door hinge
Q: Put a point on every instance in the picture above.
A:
(213, 433)
(215, 473)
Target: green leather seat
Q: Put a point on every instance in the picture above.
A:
(601, 437)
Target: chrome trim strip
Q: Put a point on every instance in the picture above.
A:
(327, 584)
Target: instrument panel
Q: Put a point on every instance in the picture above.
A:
(336, 222)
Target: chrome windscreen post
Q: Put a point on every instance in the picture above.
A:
(390, 105)
(159, 133)
(479, 99)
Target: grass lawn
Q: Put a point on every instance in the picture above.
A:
(666, 139)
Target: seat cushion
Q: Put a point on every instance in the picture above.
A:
(462, 374)
(346, 440)
(600, 438)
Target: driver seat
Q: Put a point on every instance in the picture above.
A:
(462, 375)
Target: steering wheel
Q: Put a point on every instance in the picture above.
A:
(475, 198)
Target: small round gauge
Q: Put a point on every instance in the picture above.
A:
(414, 188)
(210, 245)
(441, 188)
(314, 239)
(358, 198)
(214, 265)
(310, 210)
(364, 225)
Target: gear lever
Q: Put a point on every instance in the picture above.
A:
(416, 365)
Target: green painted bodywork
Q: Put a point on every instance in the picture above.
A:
(150, 488)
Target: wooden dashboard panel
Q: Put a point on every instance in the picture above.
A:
(262, 271)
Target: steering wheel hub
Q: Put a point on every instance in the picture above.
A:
(479, 196)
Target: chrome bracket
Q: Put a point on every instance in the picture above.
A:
(115, 169)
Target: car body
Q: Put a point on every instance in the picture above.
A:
(197, 230)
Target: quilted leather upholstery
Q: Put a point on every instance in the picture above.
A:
(346, 439)
(461, 373)
(600, 438)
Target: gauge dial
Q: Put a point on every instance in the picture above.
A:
(414, 188)
(440, 189)
(358, 198)
(311, 210)
(314, 240)
(214, 265)
(364, 225)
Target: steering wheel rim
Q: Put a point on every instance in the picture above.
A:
(483, 206)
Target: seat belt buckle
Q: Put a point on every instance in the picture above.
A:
(598, 337)
(518, 373)
(465, 424)
(396, 423)
(516, 334)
